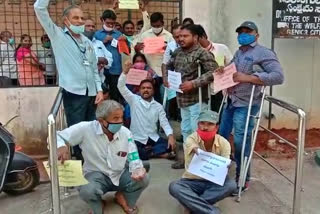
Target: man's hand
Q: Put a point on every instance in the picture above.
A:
(63, 154)
(139, 47)
(142, 5)
(107, 39)
(166, 83)
(171, 142)
(99, 97)
(115, 4)
(241, 77)
(138, 174)
(127, 66)
(186, 86)
(219, 70)
(102, 62)
(195, 150)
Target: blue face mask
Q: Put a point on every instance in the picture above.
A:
(246, 39)
(76, 29)
(11, 41)
(113, 127)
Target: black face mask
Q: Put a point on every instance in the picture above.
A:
(89, 34)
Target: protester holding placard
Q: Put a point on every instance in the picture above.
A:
(145, 115)
(186, 60)
(194, 193)
(155, 37)
(256, 65)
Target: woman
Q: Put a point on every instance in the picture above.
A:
(30, 70)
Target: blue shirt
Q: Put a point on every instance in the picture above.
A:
(261, 62)
(77, 68)
(116, 67)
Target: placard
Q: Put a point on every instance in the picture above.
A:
(135, 76)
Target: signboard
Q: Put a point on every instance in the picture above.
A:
(296, 19)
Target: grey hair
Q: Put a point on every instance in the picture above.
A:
(67, 10)
(106, 108)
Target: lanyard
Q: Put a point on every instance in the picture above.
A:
(81, 50)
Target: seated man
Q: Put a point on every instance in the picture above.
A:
(104, 144)
(145, 114)
(194, 193)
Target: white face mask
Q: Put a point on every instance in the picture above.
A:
(157, 30)
(107, 28)
(75, 28)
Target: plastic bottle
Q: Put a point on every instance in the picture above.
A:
(135, 164)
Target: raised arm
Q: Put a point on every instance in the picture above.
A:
(41, 10)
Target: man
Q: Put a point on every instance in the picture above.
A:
(145, 114)
(139, 26)
(104, 57)
(76, 63)
(128, 30)
(185, 61)
(223, 57)
(194, 193)
(256, 65)
(155, 60)
(8, 65)
(110, 36)
(104, 144)
(187, 21)
(46, 57)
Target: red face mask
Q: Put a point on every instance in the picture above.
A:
(207, 135)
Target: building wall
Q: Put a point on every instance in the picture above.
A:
(299, 58)
(32, 106)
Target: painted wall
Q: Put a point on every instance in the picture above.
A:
(32, 106)
(299, 58)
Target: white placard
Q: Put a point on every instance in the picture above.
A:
(174, 80)
(209, 166)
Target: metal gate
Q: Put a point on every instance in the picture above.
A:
(18, 16)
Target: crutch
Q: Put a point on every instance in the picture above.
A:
(200, 89)
(245, 161)
(224, 99)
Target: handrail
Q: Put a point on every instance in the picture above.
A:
(53, 159)
(300, 149)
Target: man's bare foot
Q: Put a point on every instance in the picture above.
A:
(121, 200)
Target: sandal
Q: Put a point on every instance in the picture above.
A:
(121, 201)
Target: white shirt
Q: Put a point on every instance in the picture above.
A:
(46, 57)
(221, 50)
(171, 47)
(101, 51)
(144, 115)
(8, 65)
(155, 60)
(100, 154)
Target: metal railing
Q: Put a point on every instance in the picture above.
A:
(300, 149)
(56, 110)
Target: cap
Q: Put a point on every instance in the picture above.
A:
(208, 116)
(247, 24)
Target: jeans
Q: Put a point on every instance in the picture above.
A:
(199, 195)
(236, 117)
(78, 108)
(189, 119)
(152, 148)
(99, 184)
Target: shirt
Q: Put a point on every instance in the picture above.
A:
(76, 63)
(219, 50)
(261, 62)
(116, 67)
(220, 147)
(155, 60)
(8, 65)
(146, 26)
(186, 62)
(101, 51)
(171, 47)
(99, 153)
(45, 56)
(144, 115)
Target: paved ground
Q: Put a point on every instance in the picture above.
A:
(269, 194)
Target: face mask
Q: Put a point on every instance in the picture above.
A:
(207, 135)
(76, 29)
(107, 28)
(139, 65)
(129, 38)
(89, 34)
(113, 127)
(47, 44)
(157, 30)
(246, 39)
(11, 41)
